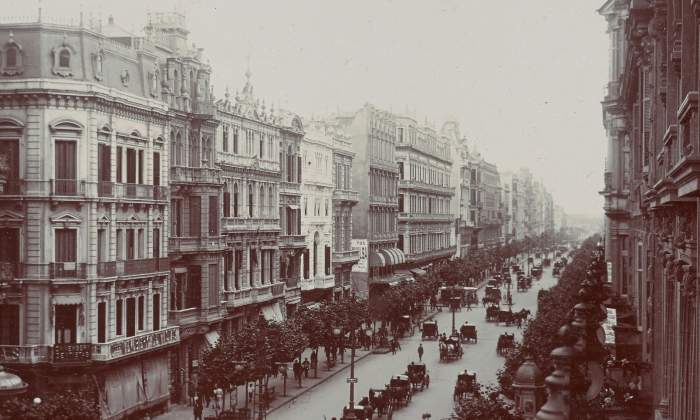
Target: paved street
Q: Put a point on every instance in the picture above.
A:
(374, 371)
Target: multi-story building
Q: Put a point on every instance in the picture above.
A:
(374, 218)
(344, 199)
(426, 222)
(507, 206)
(489, 204)
(318, 278)
(650, 114)
(560, 222)
(249, 156)
(291, 240)
(529, 202)
(84, 138)
(465, 228)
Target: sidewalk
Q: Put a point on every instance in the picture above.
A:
(180, 412)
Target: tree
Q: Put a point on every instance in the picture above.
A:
(64, 405)
(486, 404)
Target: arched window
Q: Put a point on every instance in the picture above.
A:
(250, 200)
(180, 152)
(235, 200)
(261, 203)
(64, 58)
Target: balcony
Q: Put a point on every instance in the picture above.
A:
(29, 354)
(251, 162)
(346, 195)
(238, 298)
(292, 241)
(384, 200)
(10, 270)
(139, 343)
(431, 255)
(64, 270)
(341, 257)
(12, 187)
(238, 224)
(105, 189)
(67, 188)
(194, 175)
(290, 187)
(291, 282)
(426, 217)
(318, 282)
(612, 90)
(424, 187)
(72, 353)
(190, 244)
(204, 109)
(616, 206)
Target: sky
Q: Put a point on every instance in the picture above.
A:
(523, 78)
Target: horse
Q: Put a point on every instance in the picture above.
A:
(521, 316)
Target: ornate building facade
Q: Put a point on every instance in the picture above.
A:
(651, 194)
(318, 278)
(425, 219)
(84, 132)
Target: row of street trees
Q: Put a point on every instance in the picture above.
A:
(62, 405)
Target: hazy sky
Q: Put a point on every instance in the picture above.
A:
(523, 78)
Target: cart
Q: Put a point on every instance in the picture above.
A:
(400, 387)
(468, 332)
(418, 375)
(380, 400)
(451, 349)
(466, 384)
(430, 330)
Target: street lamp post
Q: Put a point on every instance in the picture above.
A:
(454, 305)
(349, 414)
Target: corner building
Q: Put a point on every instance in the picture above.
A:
(84, 130)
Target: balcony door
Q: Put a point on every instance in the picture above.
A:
(66, 168)
(9, 150)
(9, 325)
(66, 324)
(130, 317)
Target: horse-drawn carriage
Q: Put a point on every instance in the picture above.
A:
(400, 390)
(430, 330)
(404, 326)
(506, 317)
(361, 412)
(470, 296)
(451, 349)
(528, 280)
(547, 262)
(380, 400)
(466, 384)
(467, 332)
(492, 295)
(537, 270)
(418, 375)
(447, 295)
(492, 313)
(506, 342)
(522, 284)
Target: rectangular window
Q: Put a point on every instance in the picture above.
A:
(9, 325)
(101, 322)
(66, 168)
(119, 164)
(270, 265)
(195, 216)
(401, 203)
(66, 245)
(141, 311)
(193, 287)
(119, 316)
(101, 245)
(306, 264)
(130, 166)
(227, 204)
(401, 170)
(130, 244)
(156, 168)
(213, 284)
(66, 324)
(176, 216)
(130, 317)
(140, 167)
(213, 215)
(104, 163)
(156, 312)
(237, 268)
(228, 262)
(224, 140)
(156, 243)
(327, 260)
(235, 140)
(120, 244)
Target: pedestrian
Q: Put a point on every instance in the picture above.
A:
(297, 371)
(306, 365)
(218, 398)
(420, 352)
(314, 360)
(198, 408)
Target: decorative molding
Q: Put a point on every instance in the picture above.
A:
(125, 77)
(98, 58)
(65, 124)
(66, 219)
(18, 67)
(56, 52)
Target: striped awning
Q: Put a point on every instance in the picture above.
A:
(377, 259)
(394, 256)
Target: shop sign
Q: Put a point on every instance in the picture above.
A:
(144, 342)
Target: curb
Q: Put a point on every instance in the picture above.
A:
(322, 380)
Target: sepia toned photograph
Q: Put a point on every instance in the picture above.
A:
(349, 210)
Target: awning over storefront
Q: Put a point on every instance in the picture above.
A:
(67, 300)
(212, 337)
(393, 256)
(377, 259)
(418, 272)
(272, 312)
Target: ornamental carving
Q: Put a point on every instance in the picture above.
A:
(62, 55)
(124, 76)
(689, 281)
(98, 64)
(686, 228)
